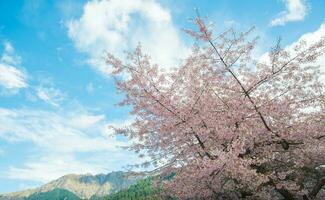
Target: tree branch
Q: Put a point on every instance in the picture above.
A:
(242, 87)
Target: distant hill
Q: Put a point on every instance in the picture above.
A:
(56, 194)
(83, 186)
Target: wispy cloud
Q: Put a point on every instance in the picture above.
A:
(51, 167)
(55, 131)
(12, 77)
(61, 138)
(296, 10)
(118, 25)
(50, 95)
(86, 120)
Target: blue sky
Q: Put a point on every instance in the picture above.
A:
(56, 97)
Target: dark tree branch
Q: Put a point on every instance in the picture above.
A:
(286, 194)
(242, 87)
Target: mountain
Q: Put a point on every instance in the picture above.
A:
(56, 194)
(84, 186)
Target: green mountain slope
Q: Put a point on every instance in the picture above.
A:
(142, 190)
(56, 194)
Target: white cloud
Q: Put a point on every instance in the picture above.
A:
(61, 139)
(309, 38)
(8, 47)
(8, 55)
(11, 77)
(296, 10)
(53, 131)
(51, 167)
(118, 25)
(313, 37)
(50, 95)
(86, 120)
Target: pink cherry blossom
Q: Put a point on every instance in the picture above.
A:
(229, 125)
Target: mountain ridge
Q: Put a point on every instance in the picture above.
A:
(84, 186)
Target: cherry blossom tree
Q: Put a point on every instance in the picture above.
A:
(231, 126)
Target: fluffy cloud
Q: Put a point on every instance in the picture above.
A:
(296, 10)
(118, 25)
(11, 77)
(311, 38)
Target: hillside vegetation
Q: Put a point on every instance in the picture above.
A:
(142, 190)
(56, 194)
